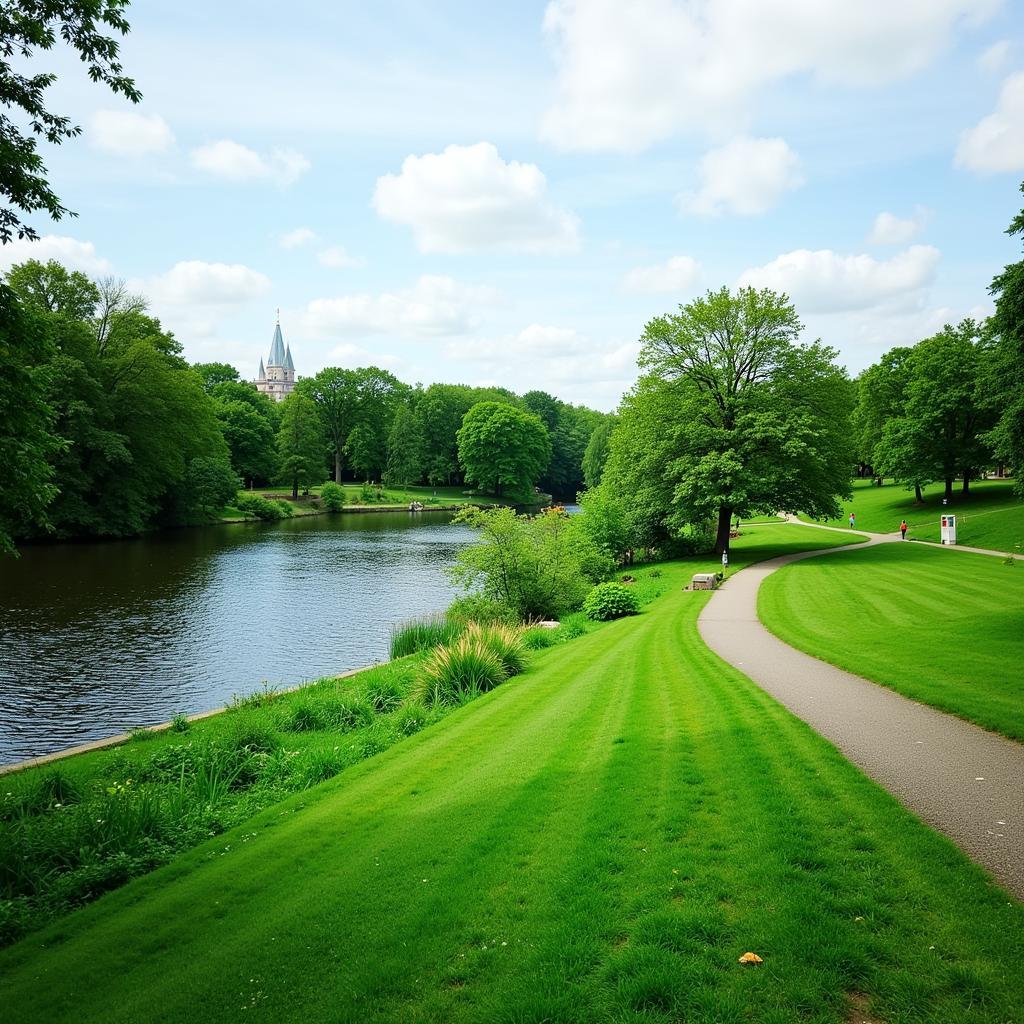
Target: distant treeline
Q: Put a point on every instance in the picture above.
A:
(105, 430)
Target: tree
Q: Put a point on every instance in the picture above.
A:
(27, 443)
(210, 484)
(35, 24)
(405, 448)
(300, 443)
(945, 415)
(881, 392)
(334, 392)
(50, 288)
(759, 423)
(502, 446)
(596, 453)
(212, 374)
(1003, 382)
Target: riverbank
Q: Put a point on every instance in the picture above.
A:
(623, 821)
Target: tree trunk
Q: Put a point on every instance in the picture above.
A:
(918, 496)
(337, 466)
(967, 483)
(295, 488)
(948, 496)
(724, 523)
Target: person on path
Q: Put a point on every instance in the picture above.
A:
(853, 520)
(903, 529)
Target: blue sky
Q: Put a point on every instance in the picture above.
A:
(506, 193)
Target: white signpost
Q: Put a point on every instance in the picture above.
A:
(947, 529)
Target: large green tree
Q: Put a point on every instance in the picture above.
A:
(212, 374)
(405, 448)
(595, 455)
(502, 447)
(51, 288)
(27, 443)
(249, 422)
(300, 443)
(759, 422)
(941, 432)
(1003, 382)
(26, 27)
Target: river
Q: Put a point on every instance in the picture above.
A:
(97, 638)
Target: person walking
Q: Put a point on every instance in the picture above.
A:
(853, 520)
(903, 529)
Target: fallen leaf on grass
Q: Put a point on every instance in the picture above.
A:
(751, 958)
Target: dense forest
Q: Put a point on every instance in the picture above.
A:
(108, 431)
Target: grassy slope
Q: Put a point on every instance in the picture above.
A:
(599, 839)
(990, 517)
(945, 629)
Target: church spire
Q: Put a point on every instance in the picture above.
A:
(263, 373)
(276, 357)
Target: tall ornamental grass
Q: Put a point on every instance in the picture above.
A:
(478, 661)
(423, 634)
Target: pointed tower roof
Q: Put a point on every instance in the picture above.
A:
(262, 373)
(288, 364)
(276, 357)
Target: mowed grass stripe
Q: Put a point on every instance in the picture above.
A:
(629, 817)
(941, 627)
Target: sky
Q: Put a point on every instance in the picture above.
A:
(506, 193)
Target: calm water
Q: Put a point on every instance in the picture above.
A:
(100, 637)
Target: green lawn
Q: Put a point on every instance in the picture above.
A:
(399, 495)
(597, 840)
(989, 517)
(941, 627)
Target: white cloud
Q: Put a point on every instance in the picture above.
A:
(745, 176)
(996, 142)
(677, 274)
(995, 58)
(299, 236)
(337, 257)
(468, 199)
(70, 252)
(434, 306)
(889, 229)
(193, 283)
(631, 74)
(824, 281)
(541, 340)
(235, 162)
(128, 133)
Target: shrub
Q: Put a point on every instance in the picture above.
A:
(261, 508)
(610, 601)
(423, 634)
(539, 566)
(477, 608)
(179, 723)
(332, 496)
(459, 671)
(505, 641)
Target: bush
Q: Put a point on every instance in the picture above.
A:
(538, 566)
(261, 508)
(423, 634)
(610, 601)
(411, 719)
(459, 671)
(477, 608)
(332, 496)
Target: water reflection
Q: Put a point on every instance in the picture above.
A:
(99, 637)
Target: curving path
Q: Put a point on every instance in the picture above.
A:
(960, 779)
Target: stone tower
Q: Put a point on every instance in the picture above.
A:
(278, 378)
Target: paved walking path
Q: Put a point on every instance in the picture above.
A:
(960, 779)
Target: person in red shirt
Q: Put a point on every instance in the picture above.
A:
(903, 529)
